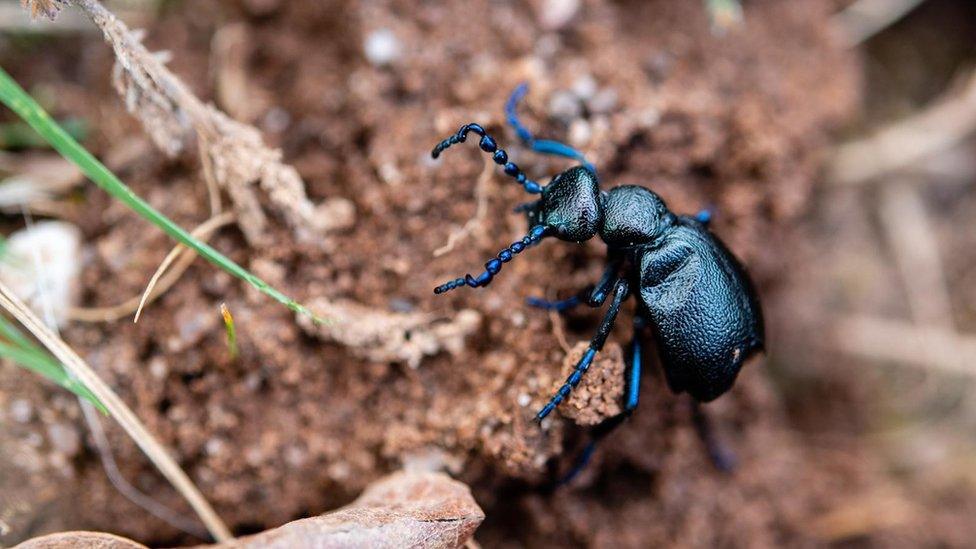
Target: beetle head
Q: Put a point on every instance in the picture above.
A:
(572, 205)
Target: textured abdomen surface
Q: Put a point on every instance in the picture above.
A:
(705, 314)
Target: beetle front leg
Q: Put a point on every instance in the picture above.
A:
(620, 293)
(594, 295)
(631, 397)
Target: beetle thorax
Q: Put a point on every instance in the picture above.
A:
(632, 216)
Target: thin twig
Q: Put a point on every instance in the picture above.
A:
(202, 232)
(905, 343)
(559, 331)
(481, 211)
(118, 409)
(129, 306)
(124, 487)
(866, 18)
(908, 141)
(911, 236)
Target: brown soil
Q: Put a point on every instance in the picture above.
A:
(295, 425)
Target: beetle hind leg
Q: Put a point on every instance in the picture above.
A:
(721, 456)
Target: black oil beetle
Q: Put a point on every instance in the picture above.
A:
(691, 291)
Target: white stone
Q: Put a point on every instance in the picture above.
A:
(585, 87)
(555, 14)
(64, 438)
(41, 266)
(21, 410)
(565, 106)
(381, 47)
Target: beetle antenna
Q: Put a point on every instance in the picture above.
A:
(494, 265)
(491, 147)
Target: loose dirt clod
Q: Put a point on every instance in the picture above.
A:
(599, 394)
(387, 336)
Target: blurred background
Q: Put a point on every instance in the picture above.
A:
(833, 139)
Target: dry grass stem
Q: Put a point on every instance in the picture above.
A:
(905, 343)
(203, 231)
(911, 236)
(481, 210)
(118, 409)
(159, 283)
(234, 152)
(908, 141)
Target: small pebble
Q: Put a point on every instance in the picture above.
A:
(579, 133)
(276, 120)
(555, 14)
(381, 47)
(21, 410)
(158, 368)
(213, 447)
(565, 106)
(584, 87)
(41, 266)
(604, 101)
(295, 456)
(518, 319)
(524, 400)
(64, 438)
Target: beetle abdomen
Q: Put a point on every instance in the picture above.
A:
(703, 307)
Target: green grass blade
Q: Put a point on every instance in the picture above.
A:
(24, 353)
(18, 135)
(18, 100)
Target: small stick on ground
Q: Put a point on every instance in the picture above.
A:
(558, 331)
(916, 248)
(908, 141)
(481, 211)
(158, 285)
(203, 231)
(905, 343)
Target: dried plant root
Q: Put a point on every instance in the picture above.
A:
(391, 337)
(233, 152)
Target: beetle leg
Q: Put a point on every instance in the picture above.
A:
(705, 216)
(556, 305)
(632, 395)
(542, 146)
(720, 455)
(620, 293)
(594, 295)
